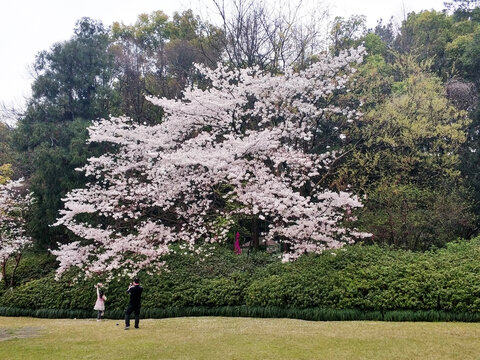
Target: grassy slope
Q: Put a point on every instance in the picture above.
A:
(237, 338)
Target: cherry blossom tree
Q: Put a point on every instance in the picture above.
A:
(250, 144)
(14, 204)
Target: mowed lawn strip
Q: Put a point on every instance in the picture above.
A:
(235, 338)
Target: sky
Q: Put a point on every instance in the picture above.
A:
(30, 26)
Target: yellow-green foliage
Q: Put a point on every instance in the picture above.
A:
(5, 173)
(415, 135)
(407, 144)
(409, 132)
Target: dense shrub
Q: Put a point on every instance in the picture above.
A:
(32, 266)
(36, 294)
(365, 279)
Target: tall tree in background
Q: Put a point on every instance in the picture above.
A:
(448, 46)
(271, 36)
(74, 78)
(463, 54)
(386, 31)
(425, 35)
(346, 33)
(139, 52)
(73, 85)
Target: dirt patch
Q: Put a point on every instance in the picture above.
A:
(18, 333)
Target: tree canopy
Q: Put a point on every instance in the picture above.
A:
(244, 146)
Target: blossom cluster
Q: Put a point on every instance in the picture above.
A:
(246, 145)
(14, 203)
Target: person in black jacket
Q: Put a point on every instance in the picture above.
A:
(135, 291)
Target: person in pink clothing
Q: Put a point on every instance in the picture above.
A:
(100, 303)
(238, 249)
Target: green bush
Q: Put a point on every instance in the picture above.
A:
(338, 284)
(32, 266)
(40, 293)
(372, 278)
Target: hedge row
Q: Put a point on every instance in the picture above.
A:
(312, 314)
(367, 279)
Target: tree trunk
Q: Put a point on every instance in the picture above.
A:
(255, 238)
(4, 271)
(17, 261)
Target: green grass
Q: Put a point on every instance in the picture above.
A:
(235, 338)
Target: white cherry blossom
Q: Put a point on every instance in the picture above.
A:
(245, 145)
(14, 203)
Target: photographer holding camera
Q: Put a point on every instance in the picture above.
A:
(135, 291)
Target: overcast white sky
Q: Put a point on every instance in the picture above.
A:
(29, 26)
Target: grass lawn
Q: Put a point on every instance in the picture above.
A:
(235, 338)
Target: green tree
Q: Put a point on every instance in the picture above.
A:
(453, 42)
(426, 35)
(386, 32)
(74, 78)
(72, 87)
(347, 33)
(404, 158)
